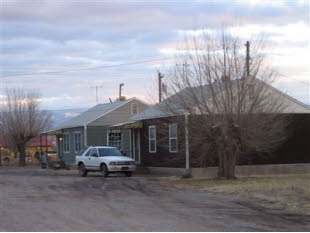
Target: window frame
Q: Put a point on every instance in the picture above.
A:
(66, 142)
(75, 141)
(134, 104)
(152, 139)
(173, 138)
(116, 143)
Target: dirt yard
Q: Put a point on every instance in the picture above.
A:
(290, 192)
(34, 199)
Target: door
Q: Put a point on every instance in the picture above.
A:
(92, 162)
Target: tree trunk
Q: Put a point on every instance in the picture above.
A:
(22, 154)
(221, 170)
(227, 163)
(231, 163)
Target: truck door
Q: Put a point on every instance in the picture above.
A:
(93, 159)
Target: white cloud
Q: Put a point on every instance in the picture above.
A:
(73, 35)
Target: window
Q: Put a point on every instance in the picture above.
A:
(134, 108)
(94, 152)
(152, 139)
(109, 152)
(87, 153)
(77, 142)
(66, 142)
(115, 138)
(173, 138)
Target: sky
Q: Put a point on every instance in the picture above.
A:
(65, 49)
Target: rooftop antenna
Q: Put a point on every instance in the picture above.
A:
(97, 92)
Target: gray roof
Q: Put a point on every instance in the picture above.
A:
(177, 103)
(193, 97)
(91, 115)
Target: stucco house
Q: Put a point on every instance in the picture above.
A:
(97, 126)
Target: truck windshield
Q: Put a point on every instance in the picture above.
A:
(109, 152)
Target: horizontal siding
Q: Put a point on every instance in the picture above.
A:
(119, 115)
(97, 135)
(162, 157)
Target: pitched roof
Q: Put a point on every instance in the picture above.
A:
(195, 96)
(174, 105)
(91, 115)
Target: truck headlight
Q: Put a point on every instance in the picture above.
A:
(132, 163)
(112, 163)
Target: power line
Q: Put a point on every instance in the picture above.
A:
(89, 68)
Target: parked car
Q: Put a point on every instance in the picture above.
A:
(104, 159)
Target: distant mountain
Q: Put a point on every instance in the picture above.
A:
(60, 116)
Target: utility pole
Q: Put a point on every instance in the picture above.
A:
(247, 58)
(97, 92)
(160, 77)
(120, 91)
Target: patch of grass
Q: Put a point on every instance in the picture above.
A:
(291, 192)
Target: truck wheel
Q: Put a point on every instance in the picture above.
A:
(104, 170)
(128, 174)
(82, 170)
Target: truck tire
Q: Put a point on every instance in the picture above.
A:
(82, 170)
(104, 170)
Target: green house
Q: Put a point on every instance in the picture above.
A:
(100, 126)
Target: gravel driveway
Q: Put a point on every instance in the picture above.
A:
(45, 200)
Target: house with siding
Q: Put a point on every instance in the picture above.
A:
(162, 139)
(97, 126)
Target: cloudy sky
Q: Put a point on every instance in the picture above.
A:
(65, 49)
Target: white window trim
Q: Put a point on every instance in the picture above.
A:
(78, 132)
(108, 141)
(132, 108)
(171, 138)
(150, 139)
(64, 144)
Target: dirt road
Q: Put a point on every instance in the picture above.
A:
(44, 200)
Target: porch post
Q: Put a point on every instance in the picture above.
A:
(85, 135)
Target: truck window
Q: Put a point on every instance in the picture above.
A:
(94, 152)
(81, 152)
(87, 153)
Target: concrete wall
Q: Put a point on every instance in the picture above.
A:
(211, 172)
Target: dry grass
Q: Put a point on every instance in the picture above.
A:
(290, 192)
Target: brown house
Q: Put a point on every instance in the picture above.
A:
(159, 138)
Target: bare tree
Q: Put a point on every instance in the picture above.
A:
(233, 109)
(21, 119)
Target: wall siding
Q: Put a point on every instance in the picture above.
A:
(296, 149)
(119, 115)
(97, 135)
(70, 156)
(162, 157)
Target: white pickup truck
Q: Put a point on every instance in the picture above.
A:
(104, 159)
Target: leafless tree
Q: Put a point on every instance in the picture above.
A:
(233, 108)
(21, 119)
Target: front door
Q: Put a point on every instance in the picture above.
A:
(136, 146)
